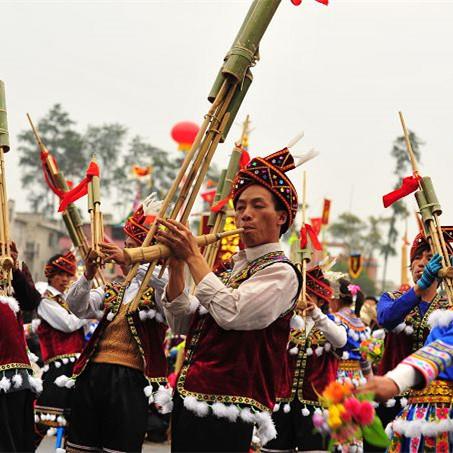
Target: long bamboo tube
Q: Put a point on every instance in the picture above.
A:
(432, 226)
(160, 251)
(71, 216)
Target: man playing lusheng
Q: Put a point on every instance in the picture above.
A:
(238, 322)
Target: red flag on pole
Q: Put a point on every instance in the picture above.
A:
(316, 223)
(409, 185)
(326, 211)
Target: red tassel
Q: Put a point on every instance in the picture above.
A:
(220, 204)
(409, 185)
(308, 231)
(81, 189)
(245, 159)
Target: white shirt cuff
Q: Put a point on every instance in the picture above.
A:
(404, 376)
(178, 305)
(207, 288)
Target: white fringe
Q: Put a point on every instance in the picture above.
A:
(403, 402)
(297, 322)
(319, 350)
(65, 360)
(440, 318)
(305, 411)
(415, 428)
(163, 399)
(309, 351)
(265, 426)
(11, 302)
(390, 403)
(276, 407)
(5, 384)
(17, 381)
(286, 408)
(345, 355)
(294, 351)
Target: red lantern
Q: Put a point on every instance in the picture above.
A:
(184, 134)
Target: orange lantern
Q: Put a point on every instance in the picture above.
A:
(184, 134)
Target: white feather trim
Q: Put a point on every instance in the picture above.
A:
(5, 384)
(57, 364)
(219, 410)
(440, 318)
(32, 357)
(142, 315)
(65, 360)
(202, 310)
(148, 390)
(305, 411)
(45, 368)
(232, 412)
(163, 396)
(286, 408)
(110, 316)
(265, 427)
(276, 407)
(200, 408)
(70, 383)
(17, 381)
(345, 355)
(159, 318)
(247, 415)
(327, 347)
(61, 380)
(319, 350)
(409, 330)
(297, 322)
(309, 351)
(11, 302)
(379, 334)
(294, 351)
(403, 402)
(399, 328)
(390, 403)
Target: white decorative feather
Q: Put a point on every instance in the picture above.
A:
(247, 415)
(440, 318)
(297, 322)
(11, 302)
(17, 381)
(305, 411)
(305, 157)
(5, 384)
(296, 139)
(151, 205)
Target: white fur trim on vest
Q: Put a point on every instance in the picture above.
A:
(265, 426)
(36, 384)
(297, 322)
(390, 403)
(11, 302)
(294, 350)
(17, 381)
(379, 334)
(5, 384)
(163, 399)
(440, 318)
(319, 350)
(305, 411)
(414, 428)
(399, 328)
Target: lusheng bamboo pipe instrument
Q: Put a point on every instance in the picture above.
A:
(305, 254)
(227, 94)
(71, 216)
(94, 210)
(160, 251)
(6, 261)
(430, 211)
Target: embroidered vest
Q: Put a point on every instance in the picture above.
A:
(234, 366)
(13, 352)
(397, 346)
(146, 326)
(312, 365)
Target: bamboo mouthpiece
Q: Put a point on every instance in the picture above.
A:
(160, 251)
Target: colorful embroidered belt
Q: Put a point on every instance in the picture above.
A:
(438, 391)
(349, 365)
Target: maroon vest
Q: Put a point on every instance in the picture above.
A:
(236, 366)
(397, 346)
(307, 374)
(149, 333)
(13, 351)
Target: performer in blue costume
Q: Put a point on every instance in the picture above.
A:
(426, 423)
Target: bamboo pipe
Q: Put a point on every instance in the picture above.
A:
(303, 296)
(160, 251)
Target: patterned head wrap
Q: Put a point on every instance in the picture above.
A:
(318, 285)
(421, 244)
(61, 263)
(270, 172)
(136, 226)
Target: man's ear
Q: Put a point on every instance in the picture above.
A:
(282, 217)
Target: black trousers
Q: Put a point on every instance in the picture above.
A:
(109, 410)
(17, 421)
(190, 433)
(295, 430)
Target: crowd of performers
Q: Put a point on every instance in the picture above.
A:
(248, 362)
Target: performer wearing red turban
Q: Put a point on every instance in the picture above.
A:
(237, 322)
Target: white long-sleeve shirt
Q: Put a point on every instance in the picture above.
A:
(336, 334)
(254, 305)
(58, 317)
(87, 303)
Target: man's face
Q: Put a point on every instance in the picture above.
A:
(255, 212)
(60, 281)
(419, 263)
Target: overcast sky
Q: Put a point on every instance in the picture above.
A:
(340, 73)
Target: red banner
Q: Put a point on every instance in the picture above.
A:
(409, 185)
(326, 211)
(208, 195)
(316, 223)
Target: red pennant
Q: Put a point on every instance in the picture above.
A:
(220, 204)
(316, 223)
(245, 159)
(306, 232)
(81, 189)
(409, 185)
(208, 195)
